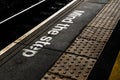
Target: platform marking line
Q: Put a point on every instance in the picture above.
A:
(35, 28)
(22, 11)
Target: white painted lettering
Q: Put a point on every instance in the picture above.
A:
(28, 53)
(36, 47)
(61, 26)
(45, 40)
(67, 20)
(44, 43)
(53, 32)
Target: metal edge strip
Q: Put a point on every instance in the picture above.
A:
(34, 29)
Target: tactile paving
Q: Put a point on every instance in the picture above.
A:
(86, 47)
(108, 16)
(97, 34)
(72, 66)
(50, 76)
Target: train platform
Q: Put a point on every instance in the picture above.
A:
(78, 42)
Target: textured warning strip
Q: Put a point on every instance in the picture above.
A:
(115, 74)
(107, 16)
(96, 34)
(86, 47)
(81, 56)
(104, 64)
(73, 66)
(54, 77)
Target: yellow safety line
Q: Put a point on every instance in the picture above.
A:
(115, 74)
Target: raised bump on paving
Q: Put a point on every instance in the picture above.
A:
(52, 76)
(97, 1)
(73, 66)
(108, 16)
(86, 47)
(96, 34)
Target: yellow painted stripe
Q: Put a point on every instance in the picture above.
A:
(115, 74)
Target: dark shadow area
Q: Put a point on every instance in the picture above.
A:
(103, 67)
(19, 25)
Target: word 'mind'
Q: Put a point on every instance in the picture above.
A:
(45, 40)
